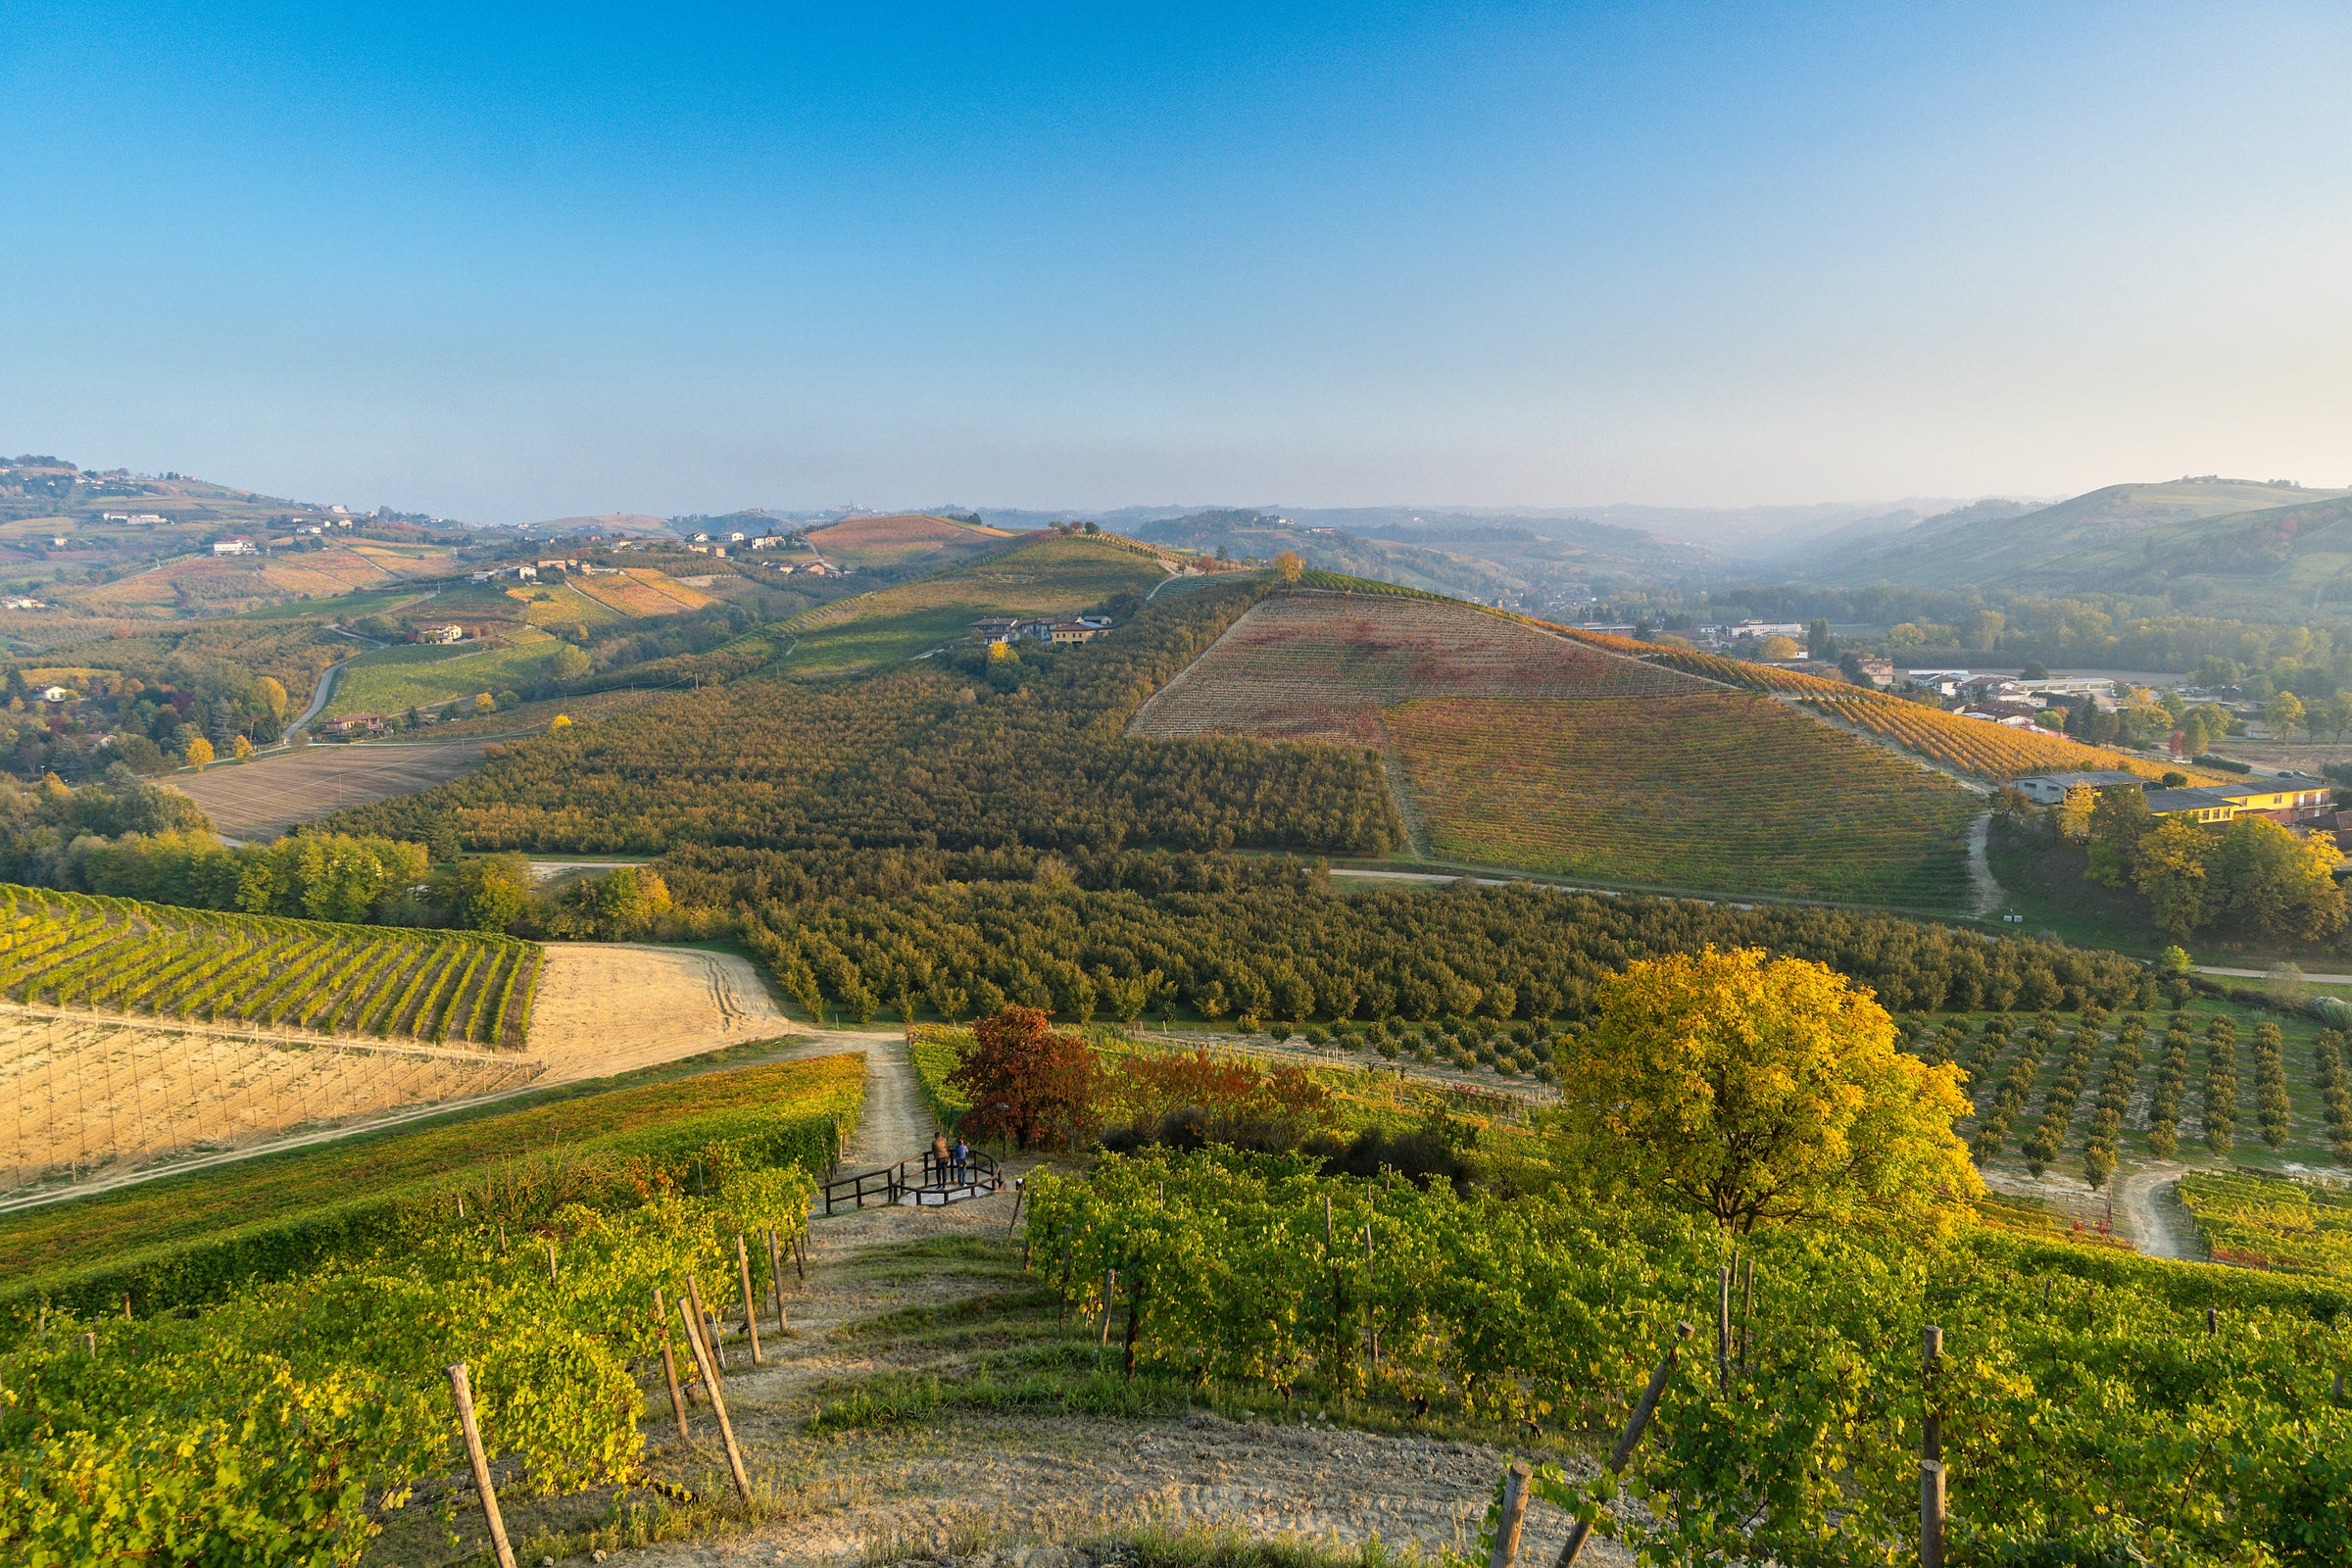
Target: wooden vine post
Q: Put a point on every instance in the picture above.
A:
(751, 1302)
(463, 1392)
(1723, 1326)
(1629, 1439)
(1515, 1515)
(551, 1263)
(693, 1314)
(775, 1276)
(1930, 1453)
(669, 1362)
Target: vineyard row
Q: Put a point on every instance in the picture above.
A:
(74, 950)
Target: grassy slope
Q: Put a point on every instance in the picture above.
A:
(1716, 791)
(391, 680)
(1051, 576)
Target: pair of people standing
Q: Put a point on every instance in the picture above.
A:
(949, 1163)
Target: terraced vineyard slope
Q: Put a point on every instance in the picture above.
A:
(1521, 748)
(1972, 746)
(1987, 751)
(67, 949)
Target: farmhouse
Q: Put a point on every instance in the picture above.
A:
(2048, 789)
(354, 725)
(441, 634)
(2225, 803)
(55, 694)
(994, 629)
(239, 546)
(1067, 628)
(1879, 672)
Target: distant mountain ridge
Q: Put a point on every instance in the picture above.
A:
(2226, 546)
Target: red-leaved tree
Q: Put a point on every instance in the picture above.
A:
(1026, 1080)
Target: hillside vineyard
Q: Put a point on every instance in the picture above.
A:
(67, 949)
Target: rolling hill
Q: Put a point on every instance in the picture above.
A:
(903, 540)
(2231, 546)
(1512, 747)
(1493, 559)
(1035, 574)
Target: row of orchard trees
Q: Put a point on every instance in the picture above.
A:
(1292, 949)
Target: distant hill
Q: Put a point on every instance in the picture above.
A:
(904, 539)
(2226, 546)
(1517, 560)
(612, 525)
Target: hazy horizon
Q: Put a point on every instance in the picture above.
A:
(521, 264)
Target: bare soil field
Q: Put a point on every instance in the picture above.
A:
(610, 1007)
(263, 798)
(1324, 667)
(87, 1093)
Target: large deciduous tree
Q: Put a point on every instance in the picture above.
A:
(1762, 1091)
(1026, 1079)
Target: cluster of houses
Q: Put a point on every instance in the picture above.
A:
(2294, 802)
(1049, 629)
(2007, 700)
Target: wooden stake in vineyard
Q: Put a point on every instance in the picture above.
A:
(1629, 1439)
(463, 1393)
(1514, 1514)
(751, 1302)
(1931, 1452)
(669, 1362)
(718, 1400)
(775, 1276)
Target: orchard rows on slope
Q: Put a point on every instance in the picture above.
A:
(69, 950)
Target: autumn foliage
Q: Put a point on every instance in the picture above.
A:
(1026, 1080)
(1760, 1091)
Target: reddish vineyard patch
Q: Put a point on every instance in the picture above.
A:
(1321, 666)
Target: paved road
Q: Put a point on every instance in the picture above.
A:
(323, 693)
(2265, 974)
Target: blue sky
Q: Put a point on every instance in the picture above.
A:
(512, 264)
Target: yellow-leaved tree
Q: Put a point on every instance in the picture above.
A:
(1762, 1091)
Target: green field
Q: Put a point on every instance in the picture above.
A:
(392, 680)
(1042, 577)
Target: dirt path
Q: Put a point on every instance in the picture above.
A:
(2151, 1205)
(958, 1481)
(1980, 866)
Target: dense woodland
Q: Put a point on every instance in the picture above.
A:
(960, 754)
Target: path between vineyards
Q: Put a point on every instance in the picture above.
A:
(931, 1290)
